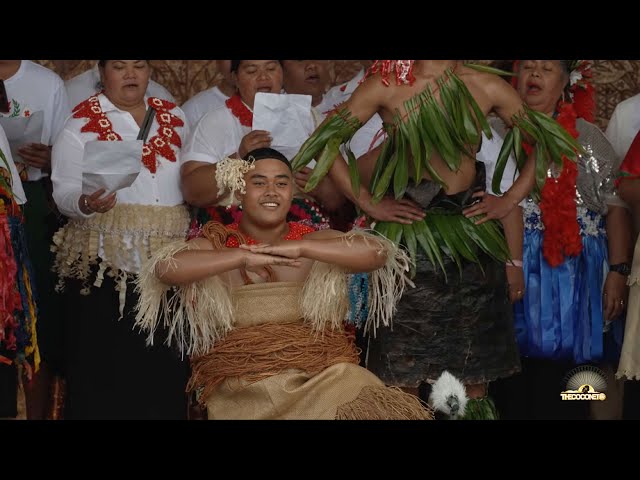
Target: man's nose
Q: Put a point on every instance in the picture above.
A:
(271, 189)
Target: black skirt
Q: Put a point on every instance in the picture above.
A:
(110, 371)
(463, 324)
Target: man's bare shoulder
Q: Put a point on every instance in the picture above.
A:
(488, 82)
(371, 85)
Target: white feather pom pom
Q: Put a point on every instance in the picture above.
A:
(448, 396)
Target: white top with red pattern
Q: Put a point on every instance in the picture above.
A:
(161, 188)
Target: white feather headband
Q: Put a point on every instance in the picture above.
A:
(230, 174)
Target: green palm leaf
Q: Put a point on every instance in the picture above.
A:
(385, 178)
(428, 244)
(382, 228)
(483, 240)
(450, 234)
(480, 117)
(410, 130)
(542, 163)
(401, 174)
(341, 125)
(523, 123)
(352, 163)
(463, 243)
(552, 127)
(518, 150)
(394, 233)
(492, 234)
(442, 232)
(501, 163)
(488, 69)
(381, 162)
(411, 243)
(455, 119)
(324, 163)
(470, 127)
(443, 138)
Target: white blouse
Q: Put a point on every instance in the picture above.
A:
(161, 188)
(205, 101)
(217, 135)
(35, 88)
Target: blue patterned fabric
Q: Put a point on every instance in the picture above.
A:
(358, 299)
(561, 315)
(20, 251)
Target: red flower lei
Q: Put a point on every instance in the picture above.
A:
(240, 110)
(159, 144)
(296, 232)
(558, 201)
(402, 68)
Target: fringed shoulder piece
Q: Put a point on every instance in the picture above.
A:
(325, 297)
(196, 315)
(387, 284)
(324, 300)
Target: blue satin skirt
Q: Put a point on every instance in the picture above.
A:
(561, 314)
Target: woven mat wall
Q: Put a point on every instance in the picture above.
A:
(614, 80)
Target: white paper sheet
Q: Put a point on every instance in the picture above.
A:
(110, 165)
(22, 131)
(287, 117)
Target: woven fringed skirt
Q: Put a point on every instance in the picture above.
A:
(464, 326)
(273, 366)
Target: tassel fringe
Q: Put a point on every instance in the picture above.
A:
(387, 284)
(384, 403)
(324, 299)
(196, 315)
(325, 296)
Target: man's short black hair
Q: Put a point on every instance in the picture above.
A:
(266, 153)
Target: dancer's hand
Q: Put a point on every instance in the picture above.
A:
(391, 210)
(286, 250)
(491, 207)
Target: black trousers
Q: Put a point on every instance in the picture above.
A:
(534, 393)
(41, 222)
(111, 372)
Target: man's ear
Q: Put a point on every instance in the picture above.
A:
(239, 196)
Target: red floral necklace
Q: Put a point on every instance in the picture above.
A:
(240, 110)
(403, 71)
(558, 201)
(296, 232)
(159, 144)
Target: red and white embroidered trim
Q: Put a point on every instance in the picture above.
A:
(240, 110)
(159, 144)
